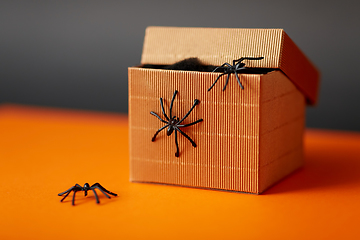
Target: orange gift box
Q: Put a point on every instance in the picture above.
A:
(249, 139)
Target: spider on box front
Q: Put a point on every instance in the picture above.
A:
(86, 188)
(237, 66)
(173, 123)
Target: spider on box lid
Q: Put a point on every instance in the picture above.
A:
(228, 69)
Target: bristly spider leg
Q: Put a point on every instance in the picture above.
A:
(177, 145)
(196, 102)
(185, 135)
(157, 132)
(172, 102)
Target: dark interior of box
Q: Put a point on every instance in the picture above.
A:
(194, 64)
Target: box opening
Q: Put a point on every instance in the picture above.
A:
(194, 64)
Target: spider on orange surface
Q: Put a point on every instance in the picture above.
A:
(86, 188)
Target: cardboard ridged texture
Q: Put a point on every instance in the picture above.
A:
(214, 46)
(249, 139)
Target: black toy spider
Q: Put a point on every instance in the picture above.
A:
(237, 66)
(173, 123)
(78, 188)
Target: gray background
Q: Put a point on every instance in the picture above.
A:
(75, 54)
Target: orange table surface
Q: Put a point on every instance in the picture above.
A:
(45, 151)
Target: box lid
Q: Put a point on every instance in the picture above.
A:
(215, 46)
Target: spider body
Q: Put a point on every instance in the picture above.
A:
(86, 188)
(228, 69)
(173, 123)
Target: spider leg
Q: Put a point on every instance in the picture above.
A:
(216, 81)
(217, 68)
(172, 102)
(196, 102)
(247, 58)
(177, 144)
(227, 81)
(158, 117)
(65, 196)
(222, 66)
(185, 135)
(157, 132)
(104, 189)
(238, 60)
(73, 199)
(190, 124)
(162, 108)
(96, 196)
(101, 191)
(238, 80)
(67, 191)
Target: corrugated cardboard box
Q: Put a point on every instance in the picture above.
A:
(248, 139)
